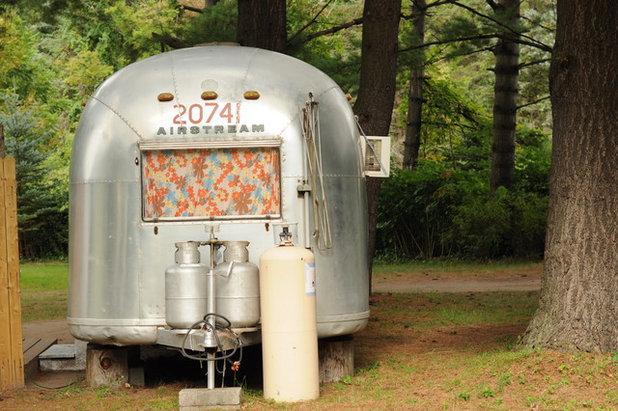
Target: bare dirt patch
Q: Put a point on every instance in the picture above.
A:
(428, 280)
(48, 329)
(435, 350)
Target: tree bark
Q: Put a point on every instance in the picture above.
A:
(262, 24)
(505, 97)
(412, 141)
(376, 96)
(579, 298)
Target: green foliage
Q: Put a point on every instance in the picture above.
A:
(42, 209)
(55, 53)
(214, 24)
(441, 211)
(20, 69)
(53, 60)
(443, 207)
(135, 24)
(338, 54)
(532, 161)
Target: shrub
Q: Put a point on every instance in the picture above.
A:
(440, 211)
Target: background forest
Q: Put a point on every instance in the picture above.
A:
(438, 201)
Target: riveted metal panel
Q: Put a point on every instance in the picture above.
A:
(118, 260)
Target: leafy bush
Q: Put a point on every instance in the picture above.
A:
(511, 224)
(438, 211)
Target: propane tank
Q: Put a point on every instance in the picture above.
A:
(289, 330)
(186, 287)
(238, 286)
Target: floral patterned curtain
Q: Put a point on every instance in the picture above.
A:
(206, 183)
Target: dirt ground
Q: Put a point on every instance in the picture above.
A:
(435, 341)
(523, 279)
(520, 280)
(399, 366)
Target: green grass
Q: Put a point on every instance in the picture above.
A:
(42, 277)
(421, 311)
(44, 290)
(419, 351)
(487, 308)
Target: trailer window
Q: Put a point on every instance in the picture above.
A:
(211, 183)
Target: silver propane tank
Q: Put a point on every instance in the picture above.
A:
(238, 286)
(186, 287)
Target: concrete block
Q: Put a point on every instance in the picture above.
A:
(193, 399)
(64, 357)
(80, 354)
(59, 351)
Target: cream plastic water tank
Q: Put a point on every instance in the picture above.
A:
(289, 330)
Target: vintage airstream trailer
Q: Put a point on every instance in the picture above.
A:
(222, 142)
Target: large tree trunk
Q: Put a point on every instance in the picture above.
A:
(415, 97)
(376, 95)
(262, 23)
(579, 299)
(505, 97)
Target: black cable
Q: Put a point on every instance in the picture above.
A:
(30, 379)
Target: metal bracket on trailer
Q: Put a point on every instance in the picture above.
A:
(195, 340)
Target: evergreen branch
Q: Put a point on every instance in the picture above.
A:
(455, 40)
(533, 102)
(190, 8)
(531, 41)
(171, 41)
(536, 44)
(468, 53)
(449, 125)
(475, 37)
(332, 30)
(533, 62)
(436, 3)
(428, 6)
(550, 29)
(313, 20)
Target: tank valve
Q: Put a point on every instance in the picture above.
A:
(285, 236)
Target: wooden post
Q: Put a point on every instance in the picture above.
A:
(11, 350)
(107, 366)
(336, 358)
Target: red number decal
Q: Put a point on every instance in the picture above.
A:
(200, 113)
(181, 112)
(226, 112)
(214, 106)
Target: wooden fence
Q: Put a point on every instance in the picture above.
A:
(11, 355)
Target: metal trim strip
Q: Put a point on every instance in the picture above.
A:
(343, 317)
(197, 144)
